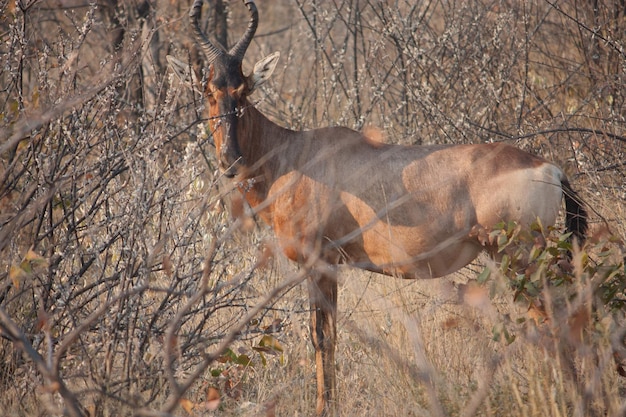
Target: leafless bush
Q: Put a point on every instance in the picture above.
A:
(544, 75)
(118, 257)
(123, 278)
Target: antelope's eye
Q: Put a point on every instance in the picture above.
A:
(210, 96)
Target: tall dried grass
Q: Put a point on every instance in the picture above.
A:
(127, 288)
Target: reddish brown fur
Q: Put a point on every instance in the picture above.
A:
(326, 191)
(310, 187)
(333, 195)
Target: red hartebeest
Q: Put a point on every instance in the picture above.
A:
(335, 196)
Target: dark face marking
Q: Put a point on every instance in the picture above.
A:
(226, 93)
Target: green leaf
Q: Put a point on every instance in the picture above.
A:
(228, 357)
(500, 332)
(243, 360)
(508, 337)
(537, 226)
(502, 241)
(484, 276)
(539, 273)
(26, 266)
(505, 263)
(270, 342)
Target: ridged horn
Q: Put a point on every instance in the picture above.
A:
(239, 50)
(210, 50)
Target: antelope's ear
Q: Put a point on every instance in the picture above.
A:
(185, 74)
(262, 71)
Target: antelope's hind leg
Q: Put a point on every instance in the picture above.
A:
(323, 299)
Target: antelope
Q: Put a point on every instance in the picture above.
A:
(334, 196)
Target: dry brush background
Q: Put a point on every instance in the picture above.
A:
(128, 288)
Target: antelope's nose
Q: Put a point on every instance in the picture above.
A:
(231, 162)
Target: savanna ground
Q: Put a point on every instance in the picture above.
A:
(128, 288)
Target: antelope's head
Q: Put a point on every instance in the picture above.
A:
(227, 88)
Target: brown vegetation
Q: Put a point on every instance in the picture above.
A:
(127, 288)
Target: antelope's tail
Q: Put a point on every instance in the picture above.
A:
(575, 213)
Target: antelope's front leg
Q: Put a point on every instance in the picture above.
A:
(323, 299)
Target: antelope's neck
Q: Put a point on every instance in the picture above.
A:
(263, 146)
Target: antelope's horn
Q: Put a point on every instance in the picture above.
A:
(210, 50)
(239, 50)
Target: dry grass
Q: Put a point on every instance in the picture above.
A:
(124, 279)
(416, 349)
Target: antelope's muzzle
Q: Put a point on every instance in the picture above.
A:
(230, 158)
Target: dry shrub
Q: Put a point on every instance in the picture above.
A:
(127, 288)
